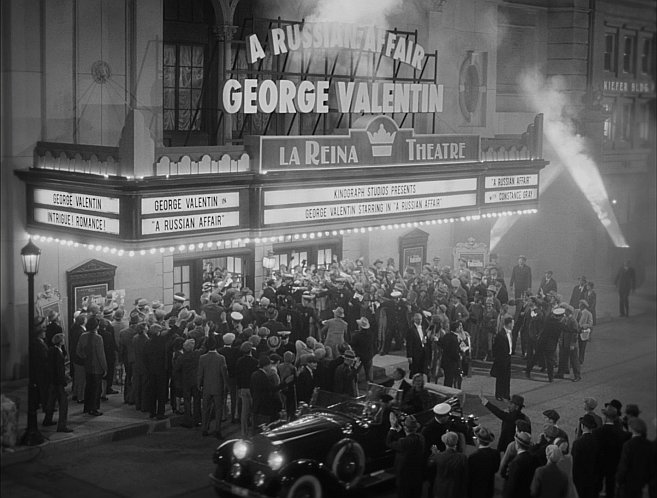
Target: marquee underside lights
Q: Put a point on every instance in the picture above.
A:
(287, 237)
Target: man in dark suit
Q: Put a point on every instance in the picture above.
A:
(521, 469)
(56, 368)
(585, 455)
(501, 370)
(549, 479)
(451, 353)
(306, 380)
(212, 382)
(579, 291)
(508, 418)
(266, 400)
(521, 277)
(398, 384)
(547, 285)
(155, 357)
(610, 438)
(625, 283)
(409, 455)
(416, 346)
(637, 463)
(451, 469)
(363, 344)
(483, 465)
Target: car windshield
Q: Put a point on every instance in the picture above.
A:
(360, 407)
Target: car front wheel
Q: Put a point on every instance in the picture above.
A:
(307, 486)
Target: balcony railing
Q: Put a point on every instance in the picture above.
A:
(170, 161)
(75, 158)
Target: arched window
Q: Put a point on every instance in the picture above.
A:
(189, 72)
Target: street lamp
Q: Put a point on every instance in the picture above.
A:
(30, 255)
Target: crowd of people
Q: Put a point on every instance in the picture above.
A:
(305, 324)
(609, 451)
(253, 360)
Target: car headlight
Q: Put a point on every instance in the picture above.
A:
(241, 449)
(275, 460)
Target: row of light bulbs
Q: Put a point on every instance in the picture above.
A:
(227, 244)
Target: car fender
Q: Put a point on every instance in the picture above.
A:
(223, 450)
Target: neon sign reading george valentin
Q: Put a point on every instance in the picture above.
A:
(251, 96)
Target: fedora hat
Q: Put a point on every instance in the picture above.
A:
(339, 312)
(523, 439)
(484, 435)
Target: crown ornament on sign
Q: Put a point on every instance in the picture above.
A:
(381, 141)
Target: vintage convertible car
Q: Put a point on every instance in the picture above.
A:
(336, 445)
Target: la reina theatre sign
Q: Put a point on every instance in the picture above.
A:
(380, 143)
(405, 173)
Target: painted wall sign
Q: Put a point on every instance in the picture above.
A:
(379, 143)
(74, 200)
(79, 221)
(352, 192)
(369, 209)
(511, 195)
(187, 203)
(511, 181)
(190, 223)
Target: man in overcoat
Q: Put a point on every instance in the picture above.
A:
(408, 446)
(212, 382)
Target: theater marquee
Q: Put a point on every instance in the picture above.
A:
(380, 143)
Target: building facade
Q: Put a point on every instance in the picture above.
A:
(148, 144)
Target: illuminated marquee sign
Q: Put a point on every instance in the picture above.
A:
(380, 143)
(354, 201)
(285, 96)
(76, 210)
(209, 212)
(505, 191)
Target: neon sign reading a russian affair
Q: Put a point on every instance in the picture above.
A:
(252, 96)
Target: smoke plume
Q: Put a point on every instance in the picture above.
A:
(546, 96)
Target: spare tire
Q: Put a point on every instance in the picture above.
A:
(346, 461)
(306, 486)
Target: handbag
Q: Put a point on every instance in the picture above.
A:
(585, 334)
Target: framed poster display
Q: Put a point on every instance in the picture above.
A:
(89, 283)
(474, 253)
(413, 258)
(90, 294)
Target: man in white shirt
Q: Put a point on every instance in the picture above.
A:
(416, 346)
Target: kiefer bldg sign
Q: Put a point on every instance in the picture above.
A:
(283, 96)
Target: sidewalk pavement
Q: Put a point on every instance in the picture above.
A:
(120, 421)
